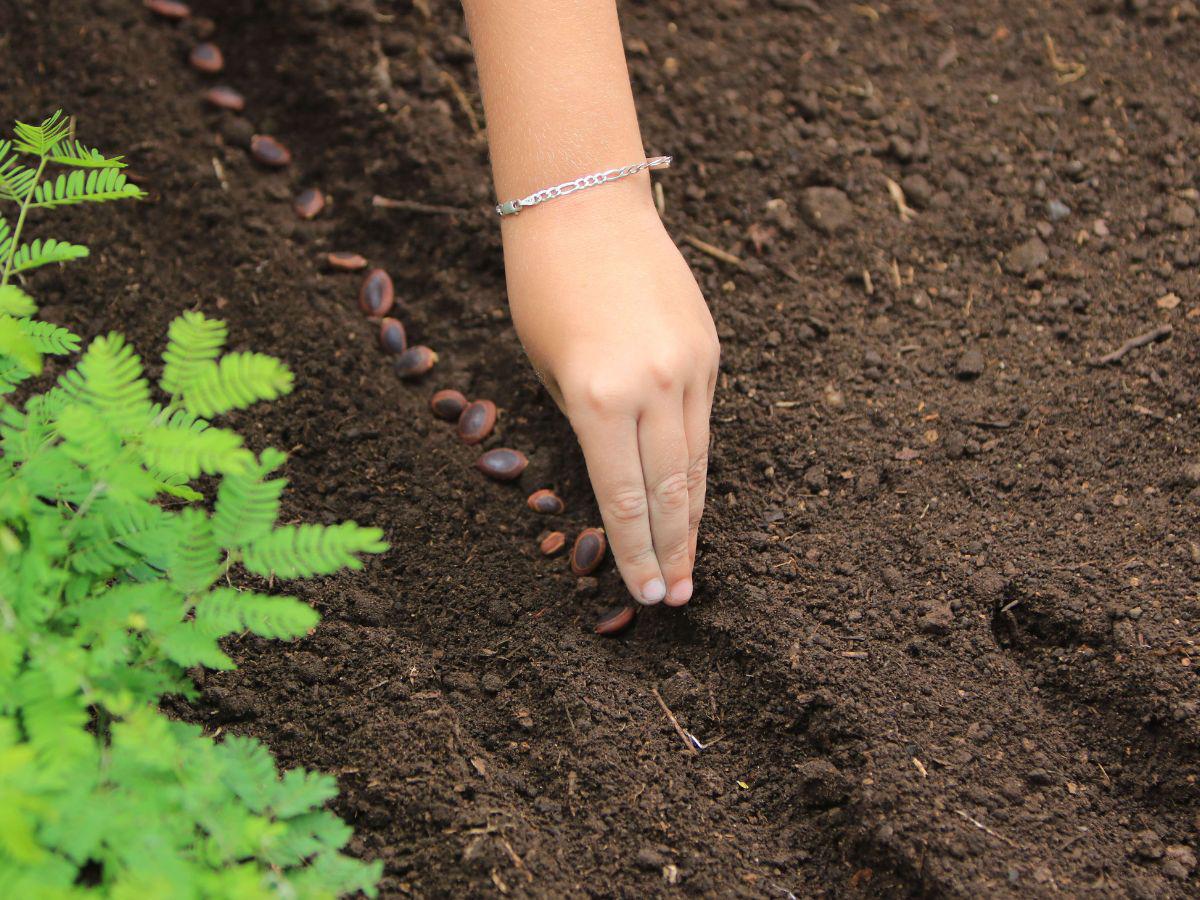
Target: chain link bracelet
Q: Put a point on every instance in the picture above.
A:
(512, 207)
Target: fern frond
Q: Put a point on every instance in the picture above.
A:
(192, 340)
(305, 550)
(45, 253)
(73, 153)
(15, 302)
(228, 611)
(18, 346)
(41, 139)
(189, 453)
(95, 186)
(247, 506)
(196, 562)
(50, 338)
(16, 180)
(237, 381)
(109, 377)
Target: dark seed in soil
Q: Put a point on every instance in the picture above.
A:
(347, 262)
(169, 9)
(392, 337)
(415, 362)
(553, 543)
(207, 58)
(309, 203)
(477, 421)
(615, 621)
(269, 151)
(502, 464)
(546, 502)
(588, 552)
(448, 404)
(377, 294)
(225, 98)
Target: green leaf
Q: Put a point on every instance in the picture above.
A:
(41, 139)
(305, 550)
(18, 345)
(109, 378)
(192, 341)
(196, 562)
(95, 186)
(15, 302)
(73, 153)
(227, 611)
(50, 338)
(44, 253)
(211, 452)
(247, 506)
(238, 381)
(16, 180)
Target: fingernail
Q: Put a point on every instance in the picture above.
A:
(681, 593)
(653, 591)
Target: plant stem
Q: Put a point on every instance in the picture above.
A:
(16, 235)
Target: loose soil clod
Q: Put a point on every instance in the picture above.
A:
(270, 152)
(615, 621)
(448, 404)
(553, 543)
(415, 362)
(225, 98)
(588, 552)
(169, 9)
(502, 464)
(207, 58)
(392, 336)
(477, 421)
(309, 203)
(346, 262)
(545, 502)
(377, 295)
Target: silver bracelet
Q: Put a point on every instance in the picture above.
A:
(512, 207)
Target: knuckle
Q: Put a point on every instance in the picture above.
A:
(639, 557)
(672, 491)
(628, 506)
(603, 394)
(665, 371)
(678, 555)
(695, 514)
(697, 473)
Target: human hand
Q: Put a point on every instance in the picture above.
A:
(614, 323)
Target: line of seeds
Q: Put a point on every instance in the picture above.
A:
(475, 420)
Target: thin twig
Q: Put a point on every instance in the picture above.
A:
(715, 252)
(984, 828)
(415, 206)
(1155, 334)
(463, 101)
(675, 723)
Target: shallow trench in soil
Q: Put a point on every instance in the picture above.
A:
(944, 637)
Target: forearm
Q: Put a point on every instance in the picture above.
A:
(556, 93)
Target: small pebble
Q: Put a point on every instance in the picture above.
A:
(415, 362)
(169, 9)
(377, 294)
(553, 543)
(225, 98)
(588, 552)
(269, 151)
(448, 404)
(546, 502)
(309, 203)
(347, 262)
(970, 365)
(392, 337)
(615, 621)
(1057, 210)
(207, 58)
(477, 421)
(502, 464)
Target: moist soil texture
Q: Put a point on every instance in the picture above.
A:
(944, 638)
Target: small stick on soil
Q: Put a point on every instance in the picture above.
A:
(984, 828)
(220, 171)
(517, 861)
(715, 252)
(907, 214)
(463, 101)
(691, 748)
(415, 206)
(1160, 333)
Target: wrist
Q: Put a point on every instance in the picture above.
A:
(620, 205)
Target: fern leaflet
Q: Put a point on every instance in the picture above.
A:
(305, 550)
(43, 253)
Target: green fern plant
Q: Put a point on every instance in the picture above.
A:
(116, 577)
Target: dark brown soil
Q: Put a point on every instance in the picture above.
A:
(944, 641)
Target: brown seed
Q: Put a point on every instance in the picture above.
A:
(392, 337)
(502, 464)
(207, 58)
(588, 552)
(546, 502)
(377, 294)
(225, 98)
(269, 151)
(477, 421)
(553, 543)
(169, 9)
(347, 262)
(615, 621)
(309, 203)
(414, 362)
(448, 404)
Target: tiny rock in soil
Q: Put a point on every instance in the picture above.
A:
(415, 362)
(588, 552)
(970, 365)
(309, 203)
(1028, 257)
(377, 295)
(546, 502)
(225, 98)
(553, 543)
(477, 421)
(207, 58)
(347, 262)
(269, 151)
(392, 337)
(615, 621)
(448, 404)
(502, 464)
(169, 9)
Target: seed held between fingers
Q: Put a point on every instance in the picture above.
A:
(415, 362)
(477, 421)
(448, 404)
(225, 98)
(269, 151)
(545, 502)
(615, 621)
(392, 337)
(377, 294)
(347, 262)
(309, 203)
(207, 58)
(169, 9)
(502, 464)
(588, 552)
(553, 543)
